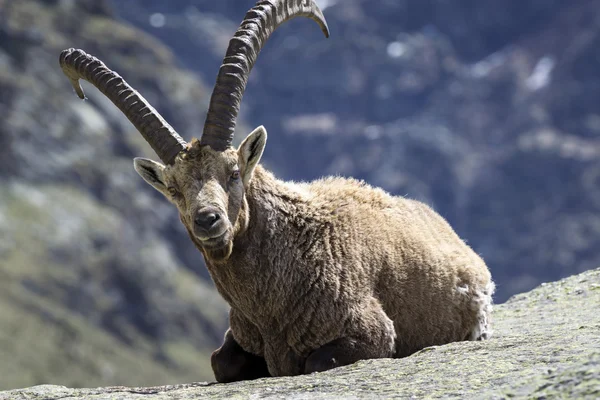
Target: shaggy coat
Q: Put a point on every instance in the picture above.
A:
(310, 263)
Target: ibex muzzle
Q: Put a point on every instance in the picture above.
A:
(208, 223)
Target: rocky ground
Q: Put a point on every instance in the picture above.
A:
(546, 345)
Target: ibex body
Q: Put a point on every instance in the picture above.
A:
(317, 274)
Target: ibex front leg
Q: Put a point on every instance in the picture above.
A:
(230, 362)
(371, 334)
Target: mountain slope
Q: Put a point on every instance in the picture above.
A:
(93, 290)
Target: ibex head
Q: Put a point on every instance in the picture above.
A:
(208, 187)
(206, 179)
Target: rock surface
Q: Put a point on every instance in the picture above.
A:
(546, 345)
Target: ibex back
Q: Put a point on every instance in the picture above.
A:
(318, 274)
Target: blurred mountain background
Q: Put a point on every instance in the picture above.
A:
(486, 110)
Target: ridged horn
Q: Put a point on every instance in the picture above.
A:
(77, 64)
(258, 24)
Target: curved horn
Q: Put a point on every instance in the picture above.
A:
(77, 64)
(255, 29)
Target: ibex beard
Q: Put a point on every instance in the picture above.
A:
(318, 275)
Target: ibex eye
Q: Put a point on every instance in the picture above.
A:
(172, 191)
(235, 174)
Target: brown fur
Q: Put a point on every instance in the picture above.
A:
(325, 273)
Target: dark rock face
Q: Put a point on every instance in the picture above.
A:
(546, 345)
(487, 110)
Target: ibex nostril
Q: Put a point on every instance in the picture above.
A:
(206, 219)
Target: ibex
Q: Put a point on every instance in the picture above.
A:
(320, 274)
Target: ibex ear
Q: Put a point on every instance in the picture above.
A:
(250, 151)
(152, 172)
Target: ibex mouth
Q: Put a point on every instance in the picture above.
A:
(219, 248)
(216, 241)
